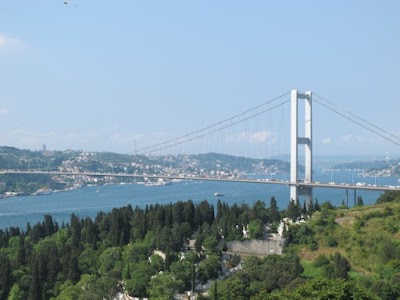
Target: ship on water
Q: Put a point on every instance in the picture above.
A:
(44, 191)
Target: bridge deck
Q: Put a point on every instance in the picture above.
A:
(244, 180)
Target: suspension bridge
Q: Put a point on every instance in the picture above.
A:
(300, 133)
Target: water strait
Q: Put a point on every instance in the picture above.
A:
(88, 201)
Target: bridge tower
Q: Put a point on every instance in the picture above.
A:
(297, 189)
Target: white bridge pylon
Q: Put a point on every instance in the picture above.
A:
(295, 189)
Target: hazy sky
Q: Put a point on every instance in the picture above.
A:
(97, 75)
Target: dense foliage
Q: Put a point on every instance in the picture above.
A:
(389, 196)
(336, 254)
(28, 183)
(359, 245)
(86, 256)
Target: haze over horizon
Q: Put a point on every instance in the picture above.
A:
(100, 75)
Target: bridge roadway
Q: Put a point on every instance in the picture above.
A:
(244, 180)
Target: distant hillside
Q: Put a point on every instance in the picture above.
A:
(229, 162)
(361, 165)
(16, 159)
(371, 168)
(207, 165)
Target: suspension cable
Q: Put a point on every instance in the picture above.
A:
(159, 146)
(162, 146)
(359, 118)
(357, 122)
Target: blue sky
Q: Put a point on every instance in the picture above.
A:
(97, 75)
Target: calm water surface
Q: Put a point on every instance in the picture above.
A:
(88, 201)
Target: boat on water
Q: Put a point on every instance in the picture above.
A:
(157, 183)
(44, 192)
(160, 182)
(218, 194)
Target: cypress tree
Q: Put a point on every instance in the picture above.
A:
(317, 207)
(53, 264)
(188, 212)
(304, 210)
(48, 225)
(35, 288)
(65, 259)
(75, 232)
(219, 211)
(115, 228)
(216, 290)
(168, 216)
(5, 277)
(126, 226)
(310, 207)
(292, 211)
(21, 253)
(28, 249)
(273, 211)
(178, 213)
(73, 269)
(3, 241)
(28, 228)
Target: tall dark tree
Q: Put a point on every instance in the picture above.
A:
(360, 201)
(75, 232)
(178, 213)
(138, 224)
(342, 266)
(89, 233)
(304, 210)
(35, 288)
(215, 290)
(3, 238)
(292, 211)
(176, 238)
(37, 232)
(317, 207)
(73, 268)
(259, 212)
(114, 233)
(244, 217)
(28, 246)
(204, 213)
(273, 211)
(310, 207)
(126, 226)
(5, 276)
(49, 225)
(168, 216)
(53, 264)
(165, 238)
(156, 217)
(219, 211)
(65, 259)
(21, 252)
(188, 212)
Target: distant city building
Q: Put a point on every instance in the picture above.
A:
(44, 147)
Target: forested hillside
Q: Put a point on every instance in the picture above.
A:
(338, 253)
(51, 260)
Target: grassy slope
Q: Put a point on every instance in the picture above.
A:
(360, 234)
